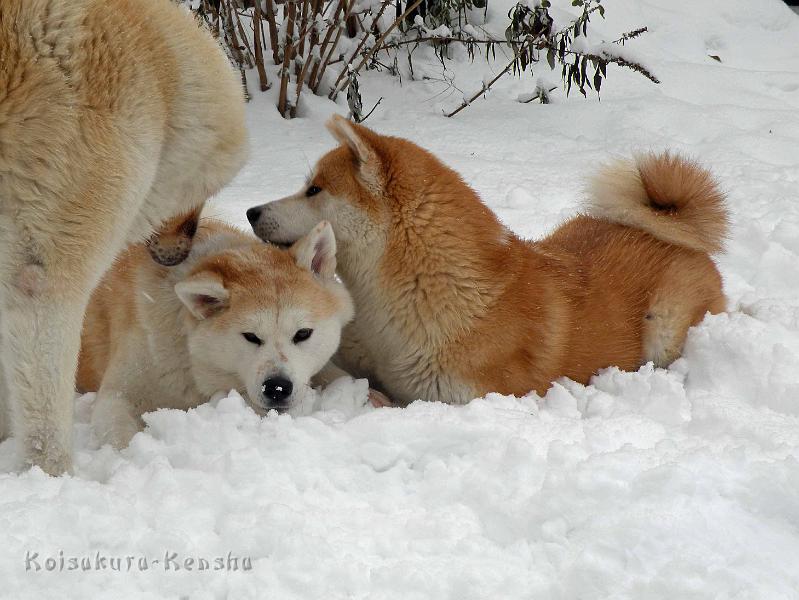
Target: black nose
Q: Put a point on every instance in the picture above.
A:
(277, 389)
(253, 214)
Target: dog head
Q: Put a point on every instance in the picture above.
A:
(263, 320)
(393, 206)
(171, 244)
(356, 187)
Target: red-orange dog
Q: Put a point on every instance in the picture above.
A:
(451, 305)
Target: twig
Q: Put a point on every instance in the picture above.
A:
(288, 51)
(230, 32)
(631, 35)
(333, 46)
(378, 43)
(617, 60)
(383, 8)
(312, 41)
(250, 62)
(487, 86)
(233, 44)
(303, 30)
(259, 53)
(273, 38)
(371, 111)
(311, 29)
(323, 48)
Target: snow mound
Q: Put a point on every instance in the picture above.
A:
(655, 484)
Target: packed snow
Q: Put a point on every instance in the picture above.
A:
(678, 483)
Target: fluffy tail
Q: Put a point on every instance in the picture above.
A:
(668, 196)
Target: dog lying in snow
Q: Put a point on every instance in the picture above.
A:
(451, 305)
(115, 116)
(236, 314)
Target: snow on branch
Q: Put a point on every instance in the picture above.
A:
(309, 39)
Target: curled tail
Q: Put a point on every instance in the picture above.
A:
(668, 196)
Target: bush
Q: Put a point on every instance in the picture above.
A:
(324, 45)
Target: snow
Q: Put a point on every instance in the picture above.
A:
(678, 483)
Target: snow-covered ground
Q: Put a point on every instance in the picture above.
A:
(679, 483)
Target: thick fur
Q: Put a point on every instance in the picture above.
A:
(450, 304)
(668, 196)
(157, 337)
(115, 116)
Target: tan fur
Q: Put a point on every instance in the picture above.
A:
(143, 348)
(451, 305)
(115, 116)
(666, 195)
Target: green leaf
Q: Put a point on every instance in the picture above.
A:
(551, 57)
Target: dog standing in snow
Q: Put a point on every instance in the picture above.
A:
(116, 116)
(236, 314)
(451, 305)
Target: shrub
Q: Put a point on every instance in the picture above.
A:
(324, 45)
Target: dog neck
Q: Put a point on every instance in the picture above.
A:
(432, 272)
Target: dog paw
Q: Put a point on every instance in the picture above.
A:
(118, 438)
(379, 399)
(53, 461)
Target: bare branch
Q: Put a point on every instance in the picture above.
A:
(366, 35)
(378, 43)
(288, 54)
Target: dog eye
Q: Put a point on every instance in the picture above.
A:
(302, 335)
(312, 191)
(252, 338)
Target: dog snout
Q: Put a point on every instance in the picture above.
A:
(263, 223)
(276, 391)
(253, 214)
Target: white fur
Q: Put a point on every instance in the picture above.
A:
(179, 357)
(388, 357)
(78, 183)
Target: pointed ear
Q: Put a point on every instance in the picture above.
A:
(203, 294)
(357, 139)
(317, 251)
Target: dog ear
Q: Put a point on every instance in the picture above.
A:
(203, 294)
(317, 251)
(359, 140)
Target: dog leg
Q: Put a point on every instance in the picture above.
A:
(331, 372)
(686, 291)
(352, 354)
(665, 328)
(5, 414)
(112, 419)
(328, 374)
(41, 340)
(130, 384)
